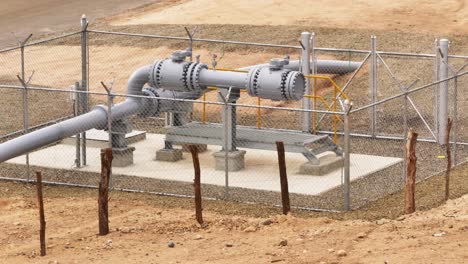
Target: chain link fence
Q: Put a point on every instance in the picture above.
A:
(46, 82)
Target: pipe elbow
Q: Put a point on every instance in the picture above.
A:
(137, 80)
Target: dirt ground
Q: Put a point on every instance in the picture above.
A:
(142, 226)
(448, 16)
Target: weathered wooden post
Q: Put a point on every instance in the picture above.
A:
(197, 184)
(103, 200)
(42, 221)
(410, 180)
(283, 177)
(449, 159)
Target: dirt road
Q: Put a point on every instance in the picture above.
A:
(44, 16)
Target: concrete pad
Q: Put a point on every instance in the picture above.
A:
(100, 139)
(329, 162)
(260, 173)
(122, 157)
(170, 155)
(236, 160)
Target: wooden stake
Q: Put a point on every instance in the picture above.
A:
(410, 181)
(106, 166)
(449, 159)
(41, 213)
(283, 177)
(197, 184)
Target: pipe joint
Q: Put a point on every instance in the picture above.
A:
(278, 84)
(177, 75)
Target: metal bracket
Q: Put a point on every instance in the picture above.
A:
(213, 61)
(348, 106)
(225, 99)
(190, 36)
(109, 89)
(302, 45)
(23, 43)
(109, 109)
(25, 83)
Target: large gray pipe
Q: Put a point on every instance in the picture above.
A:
(187, 79)
(96, 118)
(223, 79)
(323, 66)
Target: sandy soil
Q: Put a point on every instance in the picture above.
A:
(107, 63)
(141, 231)
(115, 63)
(141, 228)
(450, 16)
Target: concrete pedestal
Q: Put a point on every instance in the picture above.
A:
(122, 157)
(171, 155)
(201, 147)
(328, 163)
(235, 160)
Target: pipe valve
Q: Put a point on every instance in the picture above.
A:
(176, 74)
(180, 55)
(278, 63)
(276, 84)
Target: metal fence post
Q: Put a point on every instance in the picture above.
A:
(84, 77)
(405, 133)
(313, 69)
(436, 87)
(373, 85)
(442, 94)
(25, 103)
(110, 103)
(76, 110)
(455, 119)
(305, 67)
(226, 149)
(228, 137)
(347, 156)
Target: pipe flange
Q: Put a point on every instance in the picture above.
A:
(296, 86)
(155, 74)
(283, 88)
(190, 80)
(195, 77)
(252, 81)
(185, 75)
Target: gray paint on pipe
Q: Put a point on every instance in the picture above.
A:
(223, 79)
(51, 134)
(323, 66)
(96, 118)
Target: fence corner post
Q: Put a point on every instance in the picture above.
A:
(305, 68)
(84, 79)
(373, 85)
